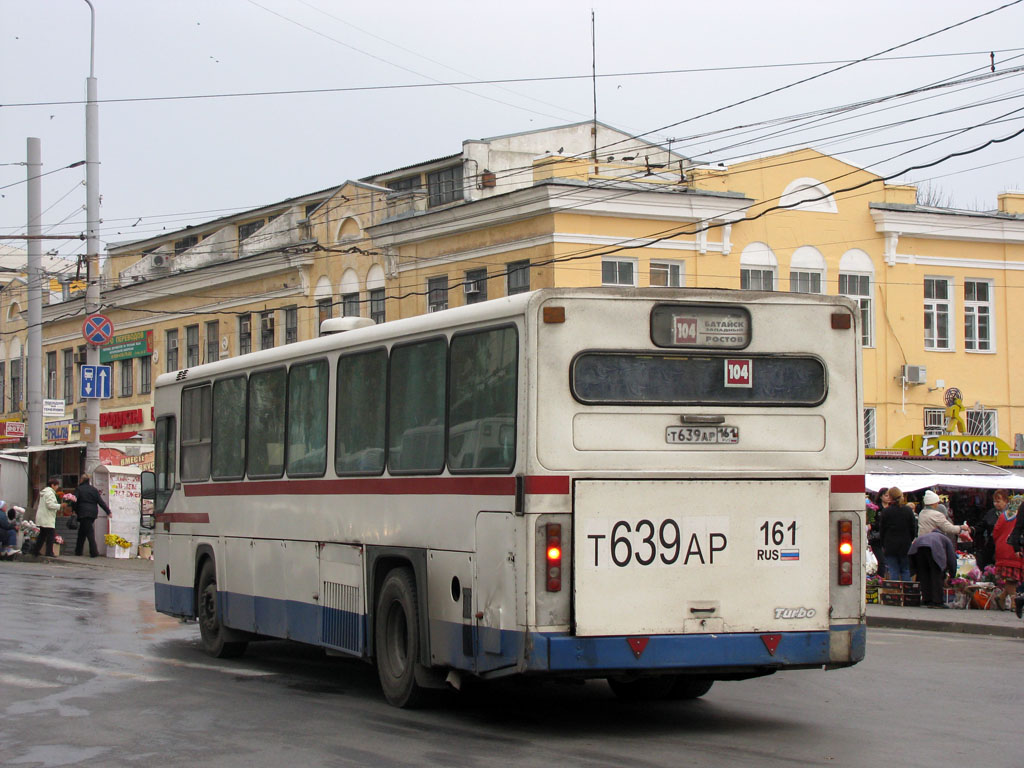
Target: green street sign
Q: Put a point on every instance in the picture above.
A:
(127, 346)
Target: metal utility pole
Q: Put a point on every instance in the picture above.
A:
(92, 215)
(34, 356)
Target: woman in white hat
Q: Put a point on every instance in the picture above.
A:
(931, 519)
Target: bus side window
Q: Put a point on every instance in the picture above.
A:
(360, 409)
(265, 434)
(165, 459)
(482, 401)
(228, 449)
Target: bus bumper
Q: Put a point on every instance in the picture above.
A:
(840, 646)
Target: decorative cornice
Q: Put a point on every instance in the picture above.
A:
(982, 228)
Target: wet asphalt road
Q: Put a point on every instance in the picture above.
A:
(91, 675)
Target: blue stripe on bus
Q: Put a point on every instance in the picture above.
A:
(542, 651)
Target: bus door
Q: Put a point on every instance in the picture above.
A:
(497, 641)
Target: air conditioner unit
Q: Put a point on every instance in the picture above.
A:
(160, 260)
(244, 327)
(470, 288)
(267, 323)
(914, 374)
(79, 413)
(81, 358)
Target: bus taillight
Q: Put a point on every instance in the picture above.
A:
(553, 553)
(845, 552)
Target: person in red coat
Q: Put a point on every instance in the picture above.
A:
(1009, 562)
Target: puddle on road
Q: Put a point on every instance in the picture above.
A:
(58, 754)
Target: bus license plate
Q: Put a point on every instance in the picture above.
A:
(701, 435)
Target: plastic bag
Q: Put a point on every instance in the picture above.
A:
(871, 563)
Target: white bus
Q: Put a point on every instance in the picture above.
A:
(661, 487)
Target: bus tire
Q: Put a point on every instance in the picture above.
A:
(690, 687)
(397, 639)
(211, 629)
(642, 688)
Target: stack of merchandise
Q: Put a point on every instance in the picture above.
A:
(902, 593)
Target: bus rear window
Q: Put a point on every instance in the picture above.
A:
(601, 378)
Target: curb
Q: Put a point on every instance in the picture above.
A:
(930, 625)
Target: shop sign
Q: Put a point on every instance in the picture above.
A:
(57, 431)
(117, 419)
(112, 457)
(991, 450)
(14, 429)
(53, 409)
(125, 346)
(884, 453)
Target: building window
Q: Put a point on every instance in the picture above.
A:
(145, 375)
(291, 325)
(982, 422)
(667, 274)
(618, 272)
(244, 334)
(69, 376)
(378, 300)
(402, 185)
(244, 230)
(191, 346)
(870, 431)
(172, 350)
(475, 286)
(213, 341)
(934, 421)
(127, 379)
(180, 246)
(15, 384)
(757, 279)
(350, 305)
(267, 330)
(978, 316)
(80, 360)
(444, 186)
(518, 276)
(437, 294)
(51, 375)
(804, 282)
(858, 288)
(324, 311)
(937, 310)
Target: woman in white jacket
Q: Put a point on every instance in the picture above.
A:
(46, 517)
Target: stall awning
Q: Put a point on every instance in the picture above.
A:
(911, 475)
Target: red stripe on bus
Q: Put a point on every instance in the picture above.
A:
(370, 486)
(847, 483)
(182, 517)
(556, 484)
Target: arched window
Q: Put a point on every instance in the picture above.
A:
(807, 270)
(378, 293)
(349, 230)
(857, 280)
(349, 294)
(758, 268)
(808, 194)
(324, 301)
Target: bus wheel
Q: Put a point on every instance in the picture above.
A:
(642, 688)
(397, 639)
(210, 627)
(690, 687)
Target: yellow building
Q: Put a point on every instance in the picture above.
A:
(937, 287)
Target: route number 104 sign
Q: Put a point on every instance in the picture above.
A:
(739, 372)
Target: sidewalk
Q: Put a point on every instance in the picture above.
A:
(971, 622)
(111, 563)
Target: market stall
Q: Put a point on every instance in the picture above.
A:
(121, 488)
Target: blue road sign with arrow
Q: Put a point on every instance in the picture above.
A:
(95, 381)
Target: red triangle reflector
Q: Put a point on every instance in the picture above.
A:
(771, 642)
(637, 644)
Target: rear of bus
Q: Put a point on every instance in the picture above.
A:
(699, 466)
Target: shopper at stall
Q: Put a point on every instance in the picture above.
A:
(1016, 542)
(896, 527)
(934, 557)
(46, 517)
(985, 544)
(931, 519)
(1009, 563)
(8, 531)
(87, 507)
(874, 535)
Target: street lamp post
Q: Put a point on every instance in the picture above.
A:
(92, 215)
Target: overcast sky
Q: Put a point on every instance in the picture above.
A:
(169, 163)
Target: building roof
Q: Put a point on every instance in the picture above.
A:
(946, 211)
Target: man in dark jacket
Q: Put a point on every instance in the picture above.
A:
(87, 508)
